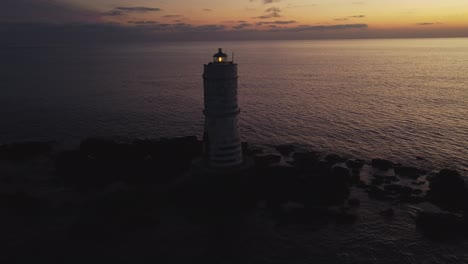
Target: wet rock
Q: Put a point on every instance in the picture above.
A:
(398, 189)
(24, 150)
(116, 214)
(408, 172)
(266, 160)
(377, 180)
(341, 173)
(355, 164)
(362, 185)
(448, 190)
(334, 158)
(345, 218)
(382, 164)
(307, 161)
(418, 183)
(285, 150)
(20, 203)
(354, 202)
(440, 225)
(376, 193)
(388, 213)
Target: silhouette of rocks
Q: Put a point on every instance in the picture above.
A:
(354, 202)
(285, 150)
(382, 164)
(398, 189)
(113, 215)
(342, 173)
(441, 226)
(24, 150)
(388, 213)
(279, 184)
(307, 161)
(448, 190)
(20, 203)
(355, 164)
(376, 193)
(334, 158)
(100, 162)
(408, 172)
(266, 160)
(345, 218)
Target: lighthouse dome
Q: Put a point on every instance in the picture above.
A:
(220, 56)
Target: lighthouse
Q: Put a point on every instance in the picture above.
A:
(222, 143)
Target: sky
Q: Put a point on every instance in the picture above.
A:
(152, 20)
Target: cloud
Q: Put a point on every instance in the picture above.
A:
(242, 25)
(278, 22)
(266, 2)
(122, 10)
(348, 17)
(44, 11)
(140, 9)
(324, 27)
(425, 24)
(272, 12)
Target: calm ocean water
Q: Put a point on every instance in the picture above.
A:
(406, 100)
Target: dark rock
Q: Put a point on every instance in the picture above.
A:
(398, 189)
(377, 181)
(266, 160)
(418, 183)
(362, 185)
(100, 162)
(24, 150)
(341, 173)
(378, 194)
(440, 225)
(306, 161)
(354, 202)
(448, 190)
(355, 164)
(334, 158)
(20, 203)
(388, 213)
(393, 179)
(285, 150)
(345, 218)
(382, 164)
(114, 215)
(409, 172)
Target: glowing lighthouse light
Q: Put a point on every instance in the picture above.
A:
(220, 57)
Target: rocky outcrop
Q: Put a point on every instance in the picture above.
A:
(441, 225)
(408, 172)
(24, 150)
(382, 164)
(448, 190)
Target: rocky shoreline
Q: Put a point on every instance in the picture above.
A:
(106, 191)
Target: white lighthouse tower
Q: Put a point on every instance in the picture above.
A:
(223, 147)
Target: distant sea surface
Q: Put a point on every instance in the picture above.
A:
(403, 99)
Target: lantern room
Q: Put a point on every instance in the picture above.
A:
(220, 57)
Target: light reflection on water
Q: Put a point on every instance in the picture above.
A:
(396, 99)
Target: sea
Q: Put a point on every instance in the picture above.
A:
(400, 99)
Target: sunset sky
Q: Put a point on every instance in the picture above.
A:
(243, 19)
